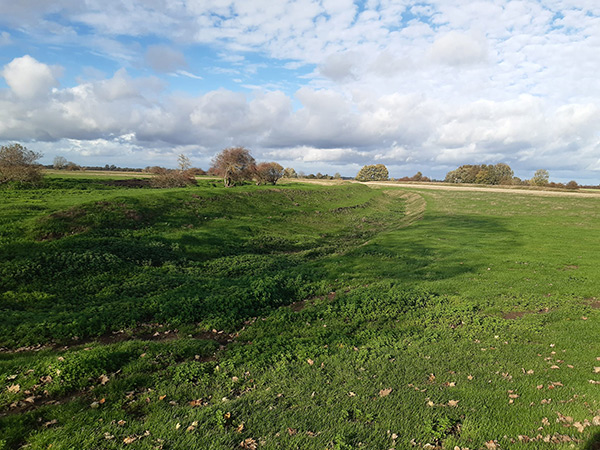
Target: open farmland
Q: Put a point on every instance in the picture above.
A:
(298, 316)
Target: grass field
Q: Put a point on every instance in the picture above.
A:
(297, 316)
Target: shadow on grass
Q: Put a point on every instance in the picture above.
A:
(438, 247)
(593, 443)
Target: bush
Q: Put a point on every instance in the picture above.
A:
(172, 179)
(375, 172)
(17, 163)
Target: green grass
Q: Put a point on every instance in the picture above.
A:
(448, 318)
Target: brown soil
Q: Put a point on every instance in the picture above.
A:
(593, 302)
(129, 183)
(518, 314)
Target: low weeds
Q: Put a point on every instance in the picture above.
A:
(300, 318)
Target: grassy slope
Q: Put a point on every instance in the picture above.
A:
(418, 308)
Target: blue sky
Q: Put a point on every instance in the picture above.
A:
(318, 85)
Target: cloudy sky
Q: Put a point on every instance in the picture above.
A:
(318, 85)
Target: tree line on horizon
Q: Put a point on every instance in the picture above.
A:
(236, 165)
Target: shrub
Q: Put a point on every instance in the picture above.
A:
(17, 163)
(172, 179)
(375, 172)
(268, 172)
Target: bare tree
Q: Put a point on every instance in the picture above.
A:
(60, 162)
(17, 163)
(183, 162)
(234, 165)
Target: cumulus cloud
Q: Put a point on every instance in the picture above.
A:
(29, 78)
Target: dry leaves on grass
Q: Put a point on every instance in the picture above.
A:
(249, 443)
(14, 388)
(385, 392)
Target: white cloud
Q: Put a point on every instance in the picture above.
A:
(29, 78)
(437, 82)
(457, 49)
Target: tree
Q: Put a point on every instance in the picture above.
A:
(17, 163)
(464, 174)
(337, 176)
(234, 165)
(540, 177)
(268, 172)
(375, 172)
(289, 173)
(572, 185)
(183, 163)
(481, 174)
(60, 162)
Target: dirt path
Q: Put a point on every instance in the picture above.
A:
(448, 187)
(508, 190)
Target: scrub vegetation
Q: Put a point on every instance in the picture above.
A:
(297, 316)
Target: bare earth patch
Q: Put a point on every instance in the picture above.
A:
(518, 314)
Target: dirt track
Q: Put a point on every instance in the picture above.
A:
(447, 187)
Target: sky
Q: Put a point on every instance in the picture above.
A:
(318, 85)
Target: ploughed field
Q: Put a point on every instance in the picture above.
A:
(339, 316)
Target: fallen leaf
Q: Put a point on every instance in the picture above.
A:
(430, 403)
(385, 392)
(129, 439)
(453, 403)
(249, 443)
(197, 402)
(310, 362)
(162, 397)
(596, 369)
(178, 426)
(103, 379)
(108, 436)
(102, 401)
(292, 431)
(351, 394)
(470, 377)
(50, 423)
(394, 436)
(240, 427)
(545, 422)
(14, 388)
(530, 372)
(540, 386)
(580, 427)
(491, 445)
(513, 396)
(555, 367)
(596, 421)
(47, 379)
